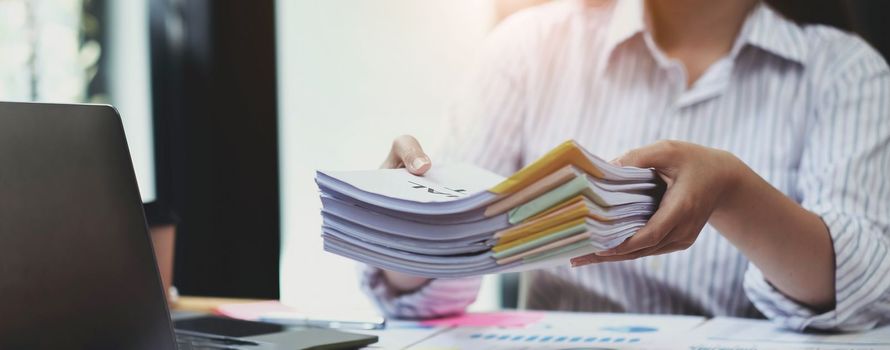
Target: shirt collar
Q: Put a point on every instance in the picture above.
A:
(769, 31)
(764, 29)
(627, 20)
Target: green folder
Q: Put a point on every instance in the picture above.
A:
(541, 241)
(549, 199)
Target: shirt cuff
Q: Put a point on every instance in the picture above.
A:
(861, 264)
(438, 298)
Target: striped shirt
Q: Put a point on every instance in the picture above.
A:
(806, 107)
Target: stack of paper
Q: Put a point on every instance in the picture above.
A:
(460, 220)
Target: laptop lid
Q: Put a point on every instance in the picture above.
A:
(77, 269)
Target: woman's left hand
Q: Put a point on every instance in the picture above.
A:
(698, 180)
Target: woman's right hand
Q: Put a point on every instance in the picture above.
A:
(406, 153)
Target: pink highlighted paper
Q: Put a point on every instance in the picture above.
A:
(251, 311)
(506, 319)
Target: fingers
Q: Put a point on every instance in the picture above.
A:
(668, 216)
(658, 155)
(683, 210)
(666, 247)
(666, 231)
(680, 237)
(594, 258)
(406, 151)
(585, 260)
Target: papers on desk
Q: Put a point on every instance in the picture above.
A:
(559, 330)
(737, 333)
(401, 335)
(577, 330)
(502, 319)
(459, 220)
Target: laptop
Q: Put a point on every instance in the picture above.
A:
(77, 270)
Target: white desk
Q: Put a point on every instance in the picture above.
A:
(618, 331)
(570, 330)
(556, 330)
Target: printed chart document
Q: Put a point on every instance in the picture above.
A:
(460, 220)
(558, 330)
(737, 333)
(400, 335)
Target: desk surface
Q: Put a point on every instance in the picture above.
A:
(401, 337)
(620, 331)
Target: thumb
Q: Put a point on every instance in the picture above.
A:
(407, 150)
(657, 155)
(634, 158)
(417, 162)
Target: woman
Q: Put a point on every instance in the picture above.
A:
(776, 202)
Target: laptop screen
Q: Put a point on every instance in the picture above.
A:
(76, 259)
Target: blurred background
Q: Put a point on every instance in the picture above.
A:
(230, 106)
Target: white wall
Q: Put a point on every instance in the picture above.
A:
(129, 72)
(353, 74)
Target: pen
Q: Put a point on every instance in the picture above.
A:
(294, 319)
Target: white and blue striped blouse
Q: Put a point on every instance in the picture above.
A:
(806, 107)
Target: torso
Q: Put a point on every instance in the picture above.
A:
(754, 105)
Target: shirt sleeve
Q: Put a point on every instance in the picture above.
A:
(482, 128)
(842, 178)
(440, 297)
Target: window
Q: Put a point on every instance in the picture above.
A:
(75, 51)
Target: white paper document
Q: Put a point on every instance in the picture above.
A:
(568, 331)
(444, 188)
(737, 333)
(398, 335)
